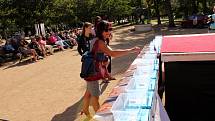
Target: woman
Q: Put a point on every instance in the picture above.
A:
(24, 49)
(52, 40)
(97, 20)
(35, 45)
(84, 39)
(44, 46)
(93, 90)
(8, 47)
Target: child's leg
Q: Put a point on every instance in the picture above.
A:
(107, 74)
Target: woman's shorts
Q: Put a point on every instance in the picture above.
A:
(94, 88)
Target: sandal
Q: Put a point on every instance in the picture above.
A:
(111, 78)
(86, 114)
(105, 81)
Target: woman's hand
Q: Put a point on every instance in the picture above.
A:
(136, 49)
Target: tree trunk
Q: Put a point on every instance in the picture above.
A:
(194, 7)
(170, 13)
(204, 5)
(4, 36)
(185, 4)
(157, 10)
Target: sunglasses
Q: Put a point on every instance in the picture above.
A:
(109, 29)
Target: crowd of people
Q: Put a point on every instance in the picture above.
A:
(40, 47)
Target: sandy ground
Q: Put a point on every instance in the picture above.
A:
(51, 89)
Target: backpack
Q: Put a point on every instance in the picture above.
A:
(91, 69)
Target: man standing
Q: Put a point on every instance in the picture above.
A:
(213, 15)
(212, 23)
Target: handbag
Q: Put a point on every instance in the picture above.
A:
(101, 57)
(98, 70)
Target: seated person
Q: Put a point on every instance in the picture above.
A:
(71, 39)
(66, 43)
(8, 47)
(61, 35)
(44, 46)
(35, 45)
(52, 40)
(14, 42)
(24, 49)
(1, 60)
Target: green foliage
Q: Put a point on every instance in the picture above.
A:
(21, 14)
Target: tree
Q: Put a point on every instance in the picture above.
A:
(23, 14)
(114, 9)
(204, 5)
(84, 9)
(194, 7)
(61, 12)
(7, 21)
(170, 13)
(156, 3)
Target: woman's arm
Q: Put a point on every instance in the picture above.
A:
(116, 53)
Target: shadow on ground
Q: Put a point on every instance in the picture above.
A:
(178, 30)
(71, 113)
(15, 64)
(121, 26)
(3, 120)
(129, 40)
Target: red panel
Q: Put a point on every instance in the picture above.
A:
(188, 43)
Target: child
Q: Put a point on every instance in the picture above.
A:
(104, 60)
